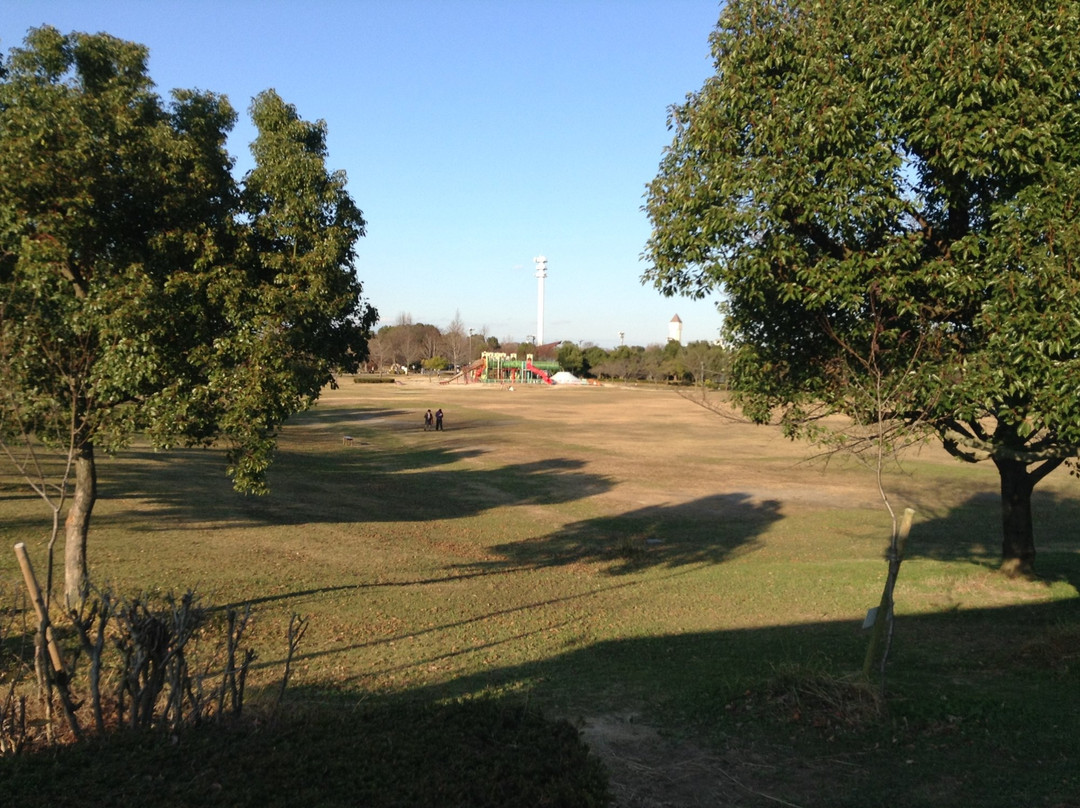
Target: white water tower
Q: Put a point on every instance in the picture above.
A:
(541, 273)
(674, 330)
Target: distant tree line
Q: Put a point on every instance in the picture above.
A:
(700, 363)
(419, 346)
(422, 347)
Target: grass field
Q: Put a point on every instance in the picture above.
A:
(685, 589)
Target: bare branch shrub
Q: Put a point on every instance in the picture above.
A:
(145, 662)
(297, 628)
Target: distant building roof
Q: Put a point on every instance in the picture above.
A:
(676, 319)
(549, 350)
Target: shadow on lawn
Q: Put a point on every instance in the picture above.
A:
(747, 717)
(346, 421)
(301, 594)
(352, 485)
(344, 418)
(707, 530)
(971, 532)
(960, 683)
(475, 620)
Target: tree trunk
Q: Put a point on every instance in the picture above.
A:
(77, 527)
(1018, 538)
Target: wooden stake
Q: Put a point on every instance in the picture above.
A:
(883, 617)
(39, 606)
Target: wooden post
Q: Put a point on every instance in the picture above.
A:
(39, 606)
(60, 679)
(884, 614)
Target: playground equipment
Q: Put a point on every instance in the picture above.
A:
(529, 366)
(503, 368)
(470, 373)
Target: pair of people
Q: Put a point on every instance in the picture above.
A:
(435, 419)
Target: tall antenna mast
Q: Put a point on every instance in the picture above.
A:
(541, 273)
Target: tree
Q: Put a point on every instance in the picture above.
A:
(456, 341)
(571, 358)
(706, 362)
(407, 343)
(142, 288)
(624, 362)
(410, 341)
(593, 355)
(430, 339)
(891, 189)
(381, 349)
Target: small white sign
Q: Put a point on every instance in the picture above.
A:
(871, 618)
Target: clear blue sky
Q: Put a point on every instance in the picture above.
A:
(476, 135)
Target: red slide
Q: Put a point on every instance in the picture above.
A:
(529, 366)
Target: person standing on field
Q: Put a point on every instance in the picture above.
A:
(438, 420)
(428, 419)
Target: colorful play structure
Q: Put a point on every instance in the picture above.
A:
(501, 368)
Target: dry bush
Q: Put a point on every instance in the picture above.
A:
(143, 662)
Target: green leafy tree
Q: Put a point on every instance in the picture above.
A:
(141, 287)
(671, 362)
(886, 195)
(594, 357)
(571, 358)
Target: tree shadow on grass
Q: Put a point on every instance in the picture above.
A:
(709, 530)
(959, 682)
(347, 421)
(368, 485)
(343, 417)
(451, 625)
(750, 717)
(972, 532)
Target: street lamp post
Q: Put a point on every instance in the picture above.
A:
(541, 273)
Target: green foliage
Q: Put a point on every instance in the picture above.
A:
(697, 363)
(435, 363)
(140, 286)
(886, 196)
(571, 358)
(373, 380)
(592, 356)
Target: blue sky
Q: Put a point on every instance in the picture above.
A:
(476, 135)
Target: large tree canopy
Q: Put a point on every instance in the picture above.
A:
(889, 192)
(141, 286)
